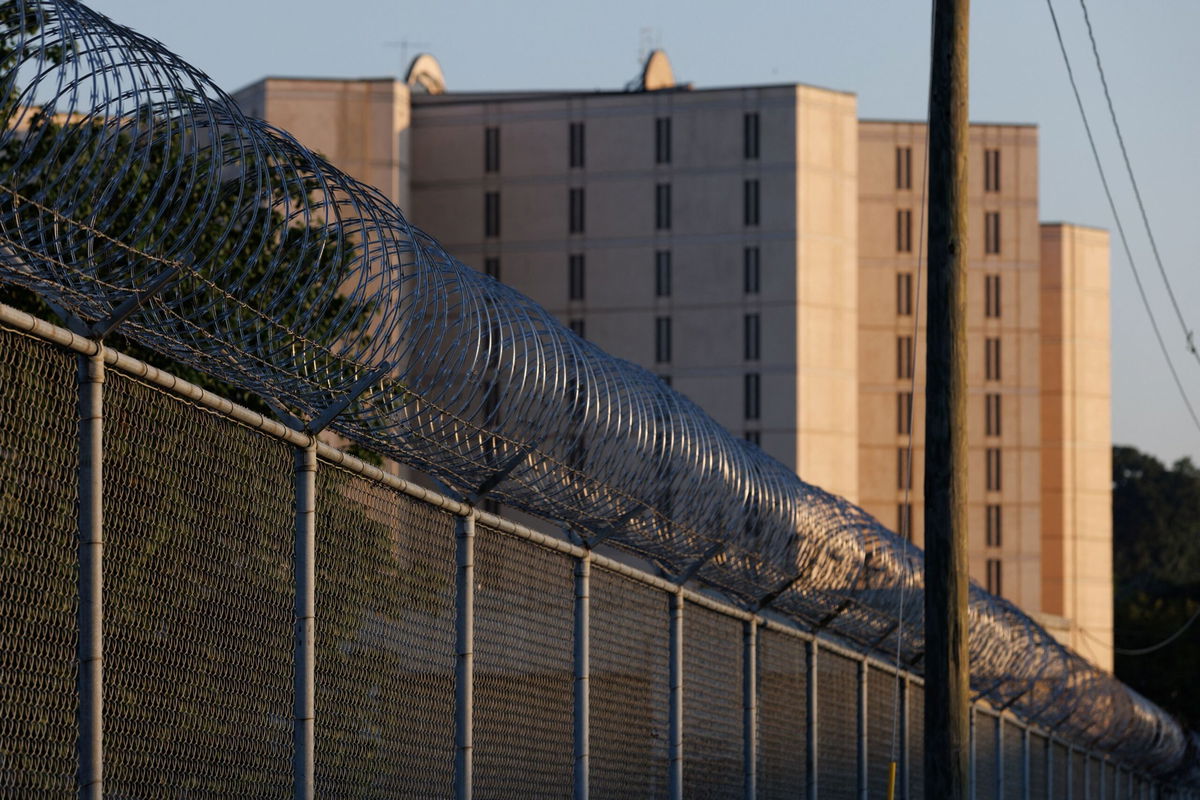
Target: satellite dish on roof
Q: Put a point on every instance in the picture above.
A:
(657, 74)
(425, 74)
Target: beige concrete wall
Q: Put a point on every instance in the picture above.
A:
(360, 126)
(1077, 437)
(808, 297)
(1017, 327)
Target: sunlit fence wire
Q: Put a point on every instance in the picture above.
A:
(133, 192)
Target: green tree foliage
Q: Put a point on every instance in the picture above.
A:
(1156, 571)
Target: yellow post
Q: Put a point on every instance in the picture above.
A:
(891, 781)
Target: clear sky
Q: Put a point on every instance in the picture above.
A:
(875, 48)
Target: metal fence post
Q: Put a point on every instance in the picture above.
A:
(304, 677)
(464, 669)
(902, 744)
(1026, 777)
(676, 676)
(90, 647)
(750, 708)
(973, 753)
(812, 729)
(583, 620)
(998, 754)
(862, 729)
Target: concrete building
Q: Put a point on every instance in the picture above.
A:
(758, 248)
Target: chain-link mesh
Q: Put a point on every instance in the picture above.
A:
(984, 736)
(782, 715)
(712, 704)
(1014, 762)
(630, 695)
(883, 715)
(385, 643)
(837, 726)
(1037, 767)
(198, 604)
(916, 740)
(524, 608)
(39, 458)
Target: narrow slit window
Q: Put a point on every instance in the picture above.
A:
(904, 294)
(903, 473)
(750, 270)
(491, 268)
(992, 356)
(904, 357)
(751, 336)
(662, 206)
(992, 401)
(750, 135)
(991, 297)
(994, 534)
(662, 340)
(993, 469)
(904, 230)
(903, 167)
(575, 137)
(491, 214)
(991, 224)
(662, 140)
(576, 210)
(662, 273)
(904, 403)
(750, 198)
(991, 170)
(576, 276)
(750, 392)
(491, 149)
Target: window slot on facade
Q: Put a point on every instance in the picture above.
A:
(904, 407)
(993, 469)
(575, 205)
(662, 140)
(904, 357)
(903, 474)
(750, 198)
(991, 298)
(491, 149)
(994, 536)
(903, 167)
(991, 232)
(662, 206)
(751, 337)
(750, 395)
(575, 136)
(575, 276)
(993, 576)
(491, 268)
(991, 170)
(750, 135)
(662, 339)
(992, 355)
(904, 520)
(491, 214)
(750, 270)
(576, 326)
(754, 437)
(904, 230)
(904, 294)
(992, 403)
(662, 273)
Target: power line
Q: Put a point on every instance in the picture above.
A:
(1187, 333)
(1141, 651)
(1117, 219)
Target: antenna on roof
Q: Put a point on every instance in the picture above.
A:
(405, 45)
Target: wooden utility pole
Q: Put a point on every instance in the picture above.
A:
(947, 672)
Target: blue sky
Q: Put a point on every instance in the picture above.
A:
(877, 49)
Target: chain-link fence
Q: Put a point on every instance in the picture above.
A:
(442, 652)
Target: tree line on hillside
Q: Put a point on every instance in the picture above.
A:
(1156, 577)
